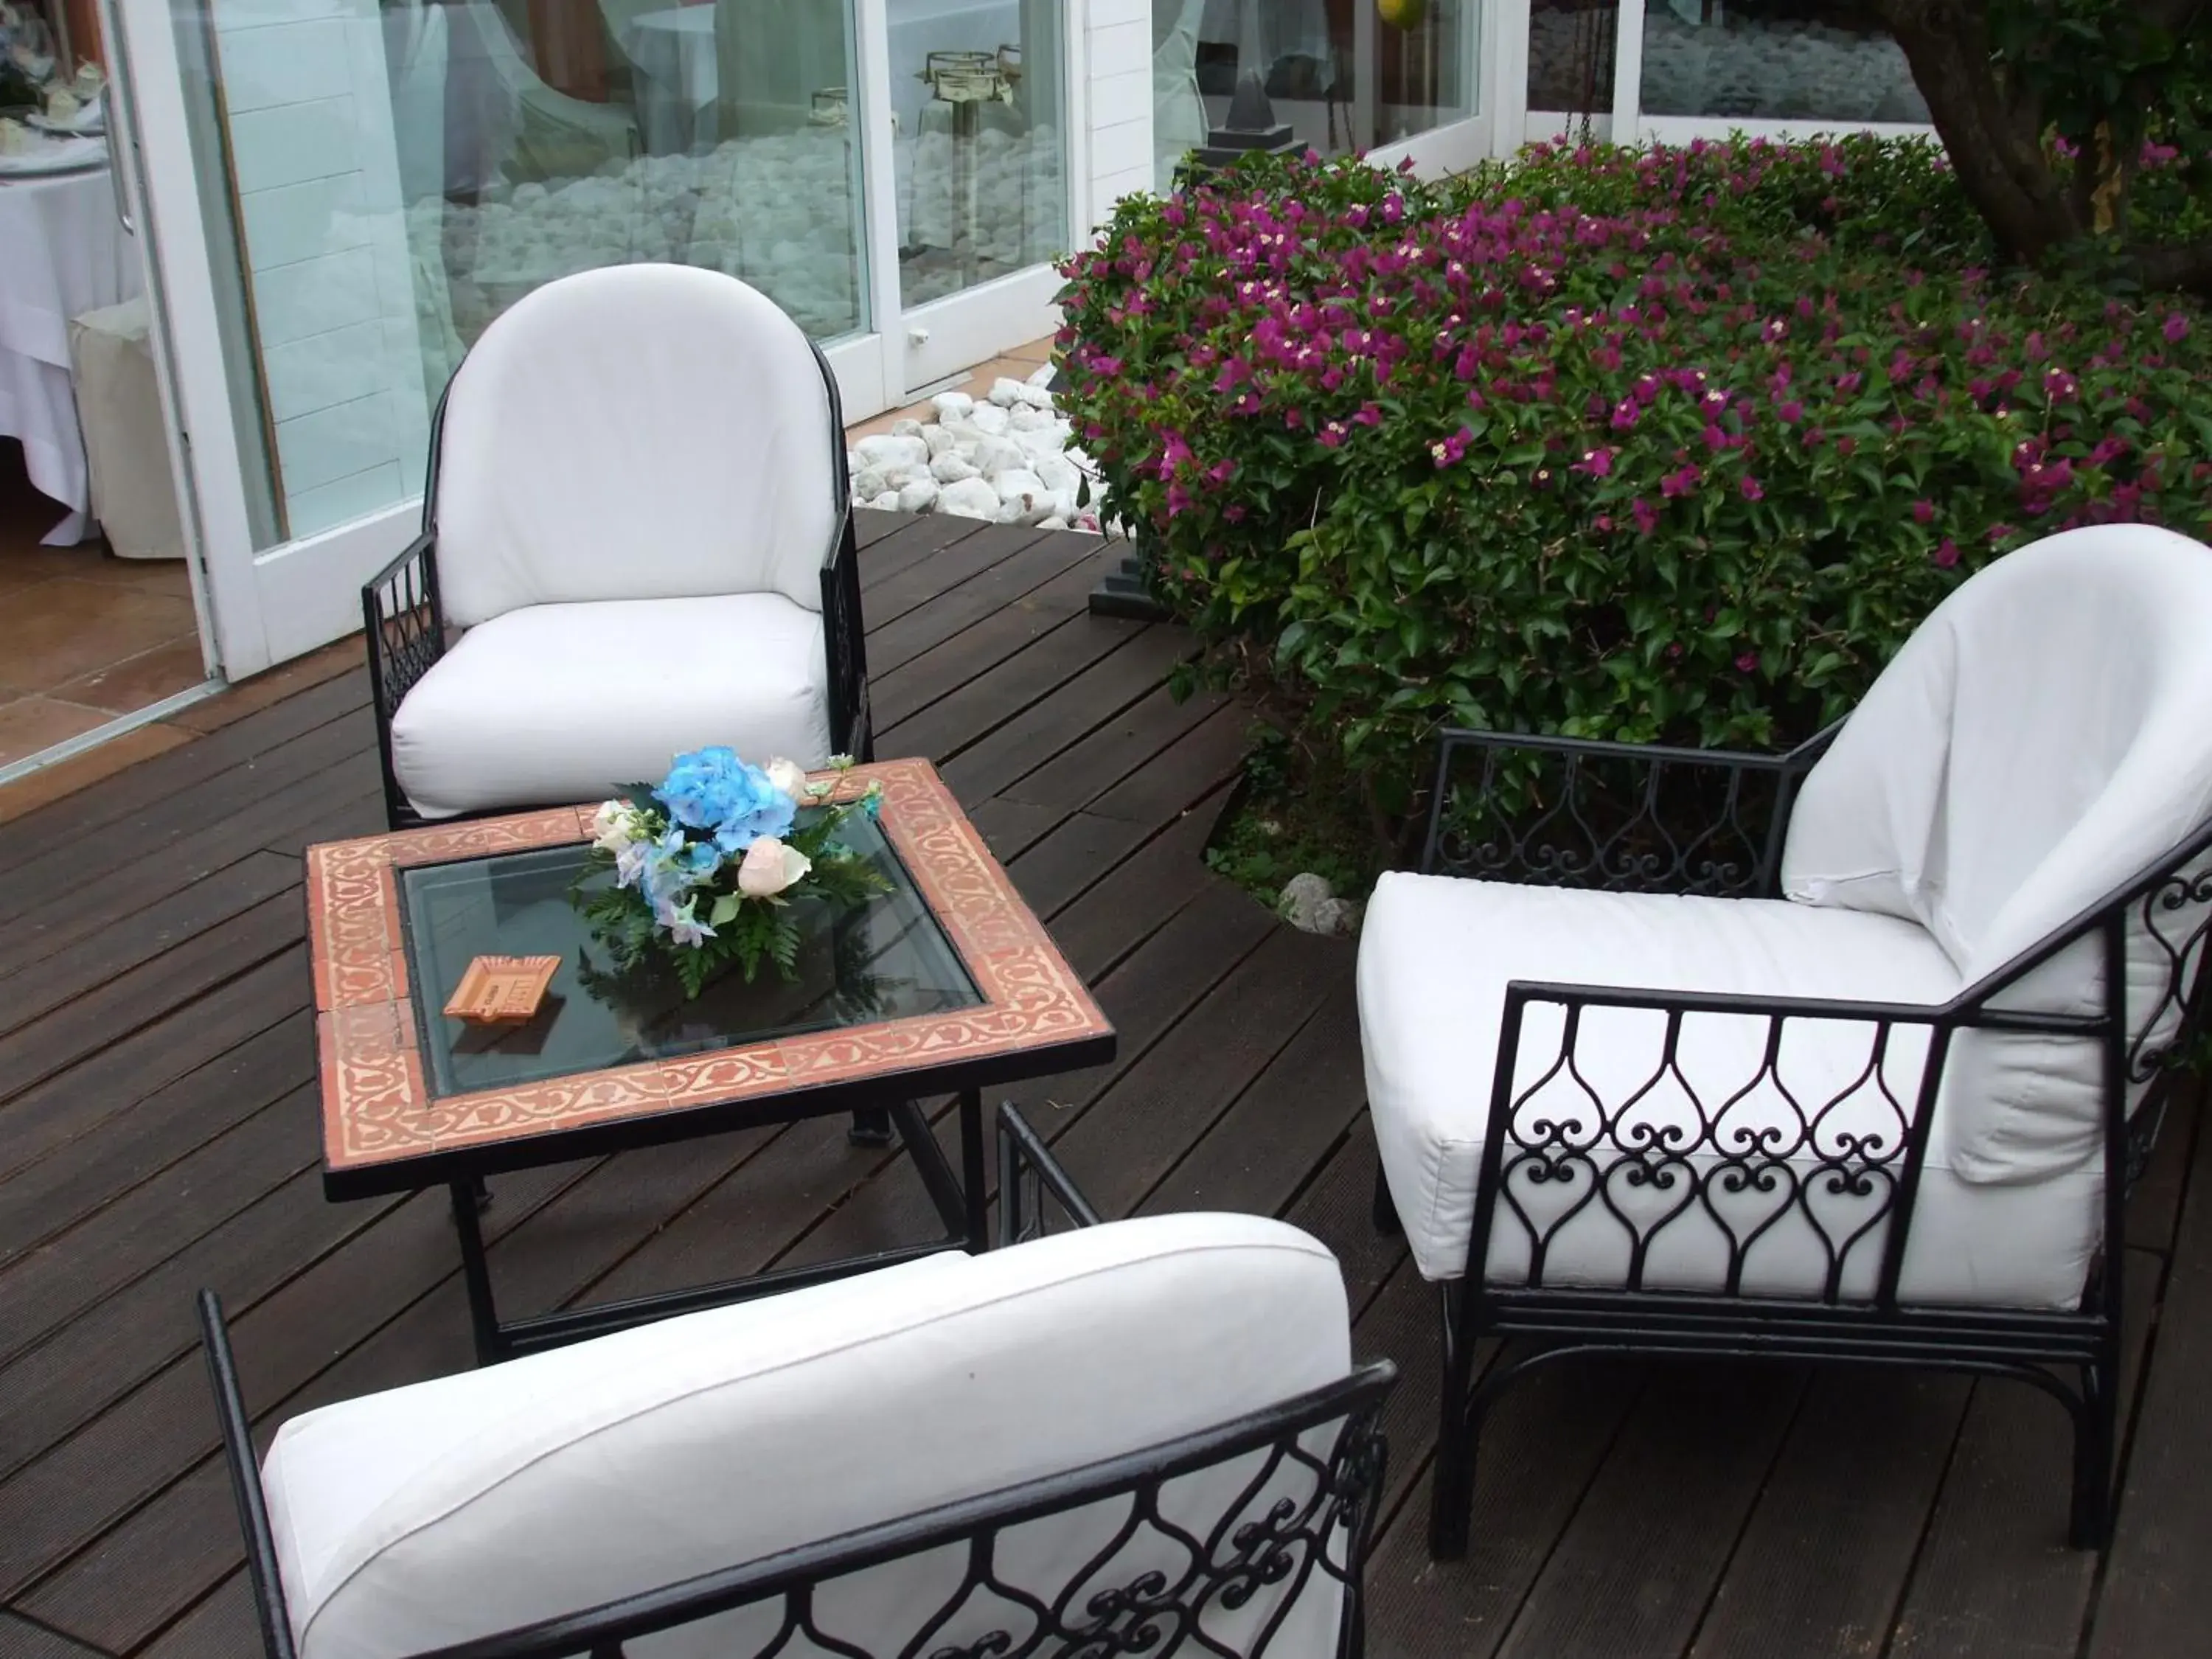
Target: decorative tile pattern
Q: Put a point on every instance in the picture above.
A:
(378, 1109)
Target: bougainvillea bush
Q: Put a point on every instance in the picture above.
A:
(1670, 445)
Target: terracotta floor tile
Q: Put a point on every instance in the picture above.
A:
(138, 682)
(234, 702)
(51, 783)
(62, 629)
(30, 724)
(1034, 351)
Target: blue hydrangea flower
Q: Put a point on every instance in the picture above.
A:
(712, 789)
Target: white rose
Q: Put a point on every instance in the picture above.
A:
(788, 776)
(770, 866)
(614, 826)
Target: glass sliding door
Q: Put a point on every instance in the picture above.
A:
(1819, 61)
(978, 175)
(401, 173)
(347, 192)
(1402, 76)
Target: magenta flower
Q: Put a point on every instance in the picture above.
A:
(1332, 435)
(1594, 464)
(1789, 413)
(1747, 662)
(2176, 329)
(1946, 554)
(1923, 512)
(1646, 516)
(1624, 414)
(1750, 487)
(1679, 482)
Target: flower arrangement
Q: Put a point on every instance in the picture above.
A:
(709, 864)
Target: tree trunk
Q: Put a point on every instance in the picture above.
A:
(1991, 127)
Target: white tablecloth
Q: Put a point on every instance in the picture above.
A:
(675, 51)
(63, 252)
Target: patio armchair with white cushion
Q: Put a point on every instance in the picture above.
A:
(1141, 1437)
(637, 541)
(1850, 1052)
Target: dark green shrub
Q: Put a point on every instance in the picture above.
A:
(1651, 445)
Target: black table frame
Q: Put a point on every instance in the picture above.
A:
(960, 1197)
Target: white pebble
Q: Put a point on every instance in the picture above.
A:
(868, 484)
(885, 450)
(970, 498)
(941, 441)
(952, 406)
(951, 468)
(918, 496)
(1006, 393)
(908, 428)
(990, 420)
(1028, 419)
(1056, 522)
(1042, 378)
(887, 502)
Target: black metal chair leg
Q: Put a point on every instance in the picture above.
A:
(1451, 1494)
(871, 1126)
(2096, 1428)
(1386, 1209)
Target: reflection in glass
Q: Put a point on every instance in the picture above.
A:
(1345, 75)
(1773, 60)
(515, 142)
(1570, 47)
(886, 959)
(976, 104)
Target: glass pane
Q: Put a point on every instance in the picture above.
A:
(1774, 60)
(390, 175)
(980, 150)
(1342, 75)
(1570, 46)
(884, 960)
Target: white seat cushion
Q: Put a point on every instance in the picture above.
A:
(1436, 954)
(556, 703)
(431, 1514)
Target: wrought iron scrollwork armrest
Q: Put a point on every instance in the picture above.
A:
(1029, 1177)
(1634, 817)
(1836, 1155)
(404, 621)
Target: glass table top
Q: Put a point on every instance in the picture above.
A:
(887, 959)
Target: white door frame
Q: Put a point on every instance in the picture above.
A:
(926, 345)
(1455, 145)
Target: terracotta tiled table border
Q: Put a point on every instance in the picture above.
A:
(380, 1117)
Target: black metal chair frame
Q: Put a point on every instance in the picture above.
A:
(404, 620)
(1329, 1532)
(1557, 839)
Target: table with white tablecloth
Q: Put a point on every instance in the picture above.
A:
(63, 252)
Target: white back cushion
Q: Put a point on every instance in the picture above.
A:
(2040, 738)
(638, 432)
(488, 1500)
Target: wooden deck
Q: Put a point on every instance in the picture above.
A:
(158, 1134)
